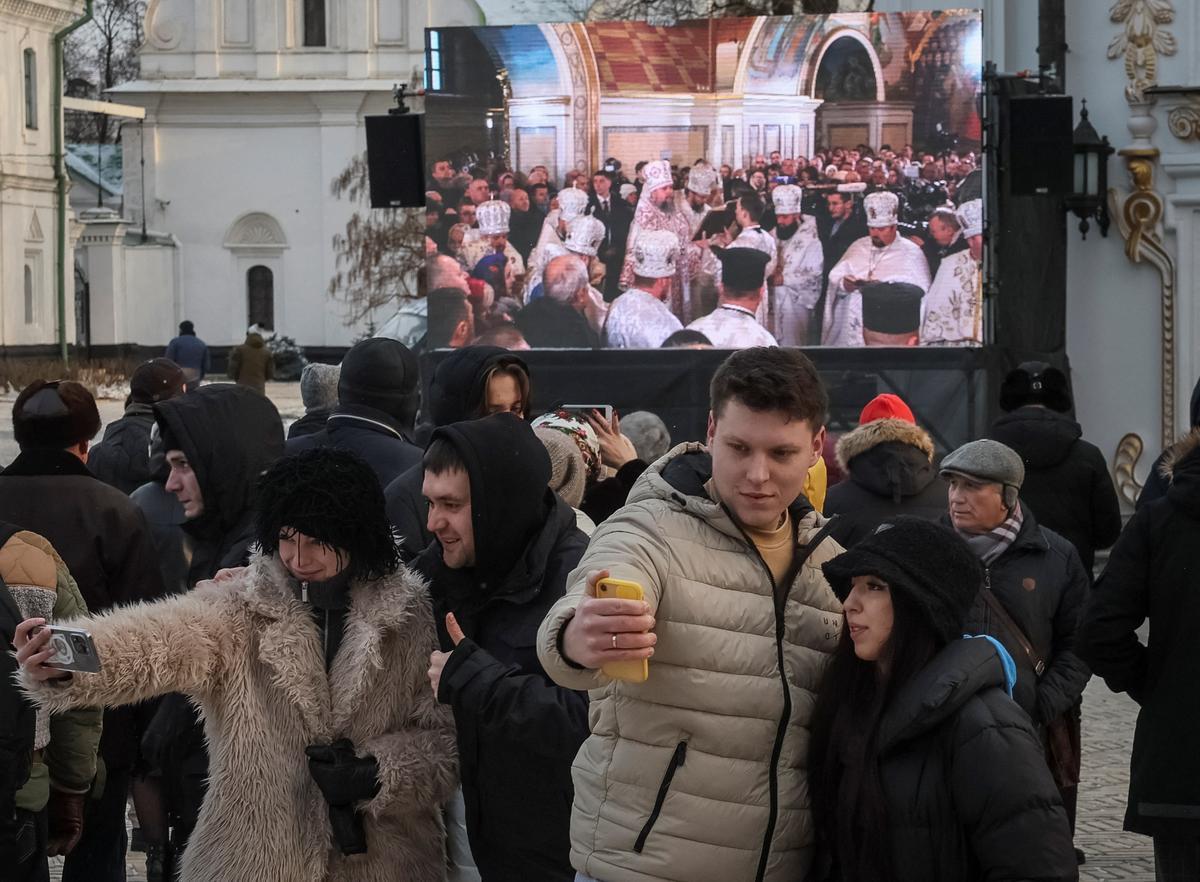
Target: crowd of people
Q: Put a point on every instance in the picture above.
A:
(380, 645)
(855, 248)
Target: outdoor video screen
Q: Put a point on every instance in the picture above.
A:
(793, 180)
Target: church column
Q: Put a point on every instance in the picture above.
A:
(208, 58)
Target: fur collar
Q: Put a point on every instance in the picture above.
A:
(1179, 451)
(288, 640)
(877, 432)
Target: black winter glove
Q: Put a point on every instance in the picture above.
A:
(344, 778)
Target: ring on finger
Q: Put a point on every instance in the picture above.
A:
(614, 641)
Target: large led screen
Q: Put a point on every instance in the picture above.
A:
(796, 180)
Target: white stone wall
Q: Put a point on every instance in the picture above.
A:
(28, 221)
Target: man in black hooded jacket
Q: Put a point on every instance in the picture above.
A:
(377, 403)
(504, 544)
(1067, 483)
(459, 391)
(218, 440)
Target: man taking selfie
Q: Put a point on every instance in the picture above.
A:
(698, 772)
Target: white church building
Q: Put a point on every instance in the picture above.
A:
(253, 107)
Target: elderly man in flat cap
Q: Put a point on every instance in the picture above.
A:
(1032, 598)
(732, 325)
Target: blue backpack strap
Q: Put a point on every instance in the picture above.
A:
(1006, 660)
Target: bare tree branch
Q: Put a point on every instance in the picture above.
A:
(380, 252)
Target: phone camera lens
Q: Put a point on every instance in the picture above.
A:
(79, 643)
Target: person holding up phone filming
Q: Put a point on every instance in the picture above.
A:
(697, 773)
(329, 759)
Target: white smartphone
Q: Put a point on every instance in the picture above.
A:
(74, 650)
(606, 410)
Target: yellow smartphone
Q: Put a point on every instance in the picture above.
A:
(638, 670)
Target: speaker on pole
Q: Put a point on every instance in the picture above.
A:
(396, 160)
(1040, 158)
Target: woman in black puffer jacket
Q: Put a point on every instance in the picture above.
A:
(922, 768)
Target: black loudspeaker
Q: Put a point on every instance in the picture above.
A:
(396, 160)
(1040, 160)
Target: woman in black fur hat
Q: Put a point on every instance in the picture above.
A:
(921, 765)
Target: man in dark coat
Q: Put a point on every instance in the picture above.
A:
(122, 459)
(458, 392)
(617, 216)
(377, 404)
(1066, 478)
(251, 364)
(190, 353)
(1035, 576)
(504, 544)
(840, 228)
(888, 461)
(1151, 573)
(107, 547)
(217, 442)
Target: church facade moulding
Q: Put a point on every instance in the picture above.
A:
(1143, 38)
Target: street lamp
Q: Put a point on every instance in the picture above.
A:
(1089, 198)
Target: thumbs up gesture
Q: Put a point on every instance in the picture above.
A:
(437, 660)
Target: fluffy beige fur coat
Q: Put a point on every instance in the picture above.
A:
(247, 652)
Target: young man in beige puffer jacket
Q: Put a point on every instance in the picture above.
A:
(698, 774)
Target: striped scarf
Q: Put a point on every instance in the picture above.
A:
(990, 545)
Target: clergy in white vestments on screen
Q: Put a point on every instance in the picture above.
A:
(954, 304)
(881, 256)
(640, 318)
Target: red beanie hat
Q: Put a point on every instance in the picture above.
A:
(886, 407)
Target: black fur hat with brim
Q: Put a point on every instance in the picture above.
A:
(54, 415)
(928, 562)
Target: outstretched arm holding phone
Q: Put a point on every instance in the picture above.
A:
(583, 632)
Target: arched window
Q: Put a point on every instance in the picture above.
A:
(31, 108)
(314, 22)
(30, 316)
(260, 297)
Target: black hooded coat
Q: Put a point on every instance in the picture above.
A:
(1151, 573)
(1066, 478)
(457, 393)
(230, 435)
(889, 471)
(964, 776)
(518, 732)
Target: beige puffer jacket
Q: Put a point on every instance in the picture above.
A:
(698, 774)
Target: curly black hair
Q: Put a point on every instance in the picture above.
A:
(331, 496)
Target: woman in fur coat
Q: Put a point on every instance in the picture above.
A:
(330, 757)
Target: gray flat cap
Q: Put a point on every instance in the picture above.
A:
(986, 460)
